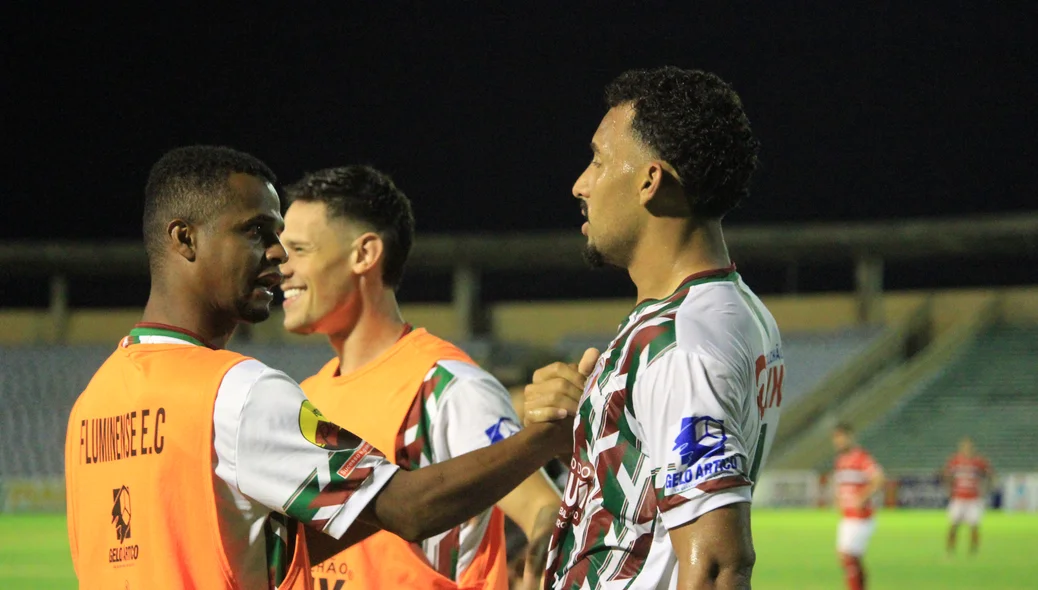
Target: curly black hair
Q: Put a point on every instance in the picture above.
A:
(190, 183)
(369, 196)
(695, 121)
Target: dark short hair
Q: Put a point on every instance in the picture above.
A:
(190, 183)
(843, 427)
(694, 121)
(366, 195)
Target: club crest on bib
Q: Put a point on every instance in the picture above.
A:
(121, 513)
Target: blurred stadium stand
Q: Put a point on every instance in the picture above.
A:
(913, 370)
(814, 356)
(38, 385)
(989, 392)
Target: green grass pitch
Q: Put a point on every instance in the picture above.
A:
(794, 552)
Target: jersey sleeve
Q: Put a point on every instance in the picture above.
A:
(473, 411)
(690, 414)
(868, 464)
(276, 449)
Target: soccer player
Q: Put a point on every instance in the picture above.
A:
(189, 466)
(415, 397)
(679, 412)
(857, 477)
(967, 473)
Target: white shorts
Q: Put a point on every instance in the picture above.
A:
(966, 511)
(853, 535)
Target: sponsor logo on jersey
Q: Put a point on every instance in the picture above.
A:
(322, 433)
(574, 497)
(121, 517)
(700, 445)
(699, 438)
(771, 371)
(504, 428)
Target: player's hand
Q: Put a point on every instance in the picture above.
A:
(556, 389)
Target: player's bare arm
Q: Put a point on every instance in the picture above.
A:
(416, 505)
(533, 506)
(876, 481)
(321, 547)
(715, 551)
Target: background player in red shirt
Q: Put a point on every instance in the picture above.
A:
(856, 478)
(966, 473)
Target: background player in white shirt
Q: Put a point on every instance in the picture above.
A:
(678, 413)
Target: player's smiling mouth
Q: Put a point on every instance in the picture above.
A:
(292, 293)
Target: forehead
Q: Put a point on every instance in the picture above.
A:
(251, 195)
(309, 221)
(615, 129)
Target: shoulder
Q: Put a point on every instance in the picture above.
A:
(250, 375)
(725, 321)
(325, 373)
(863, 457)
(435, 346)
(459, 375)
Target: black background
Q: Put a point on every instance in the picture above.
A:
(866, 111)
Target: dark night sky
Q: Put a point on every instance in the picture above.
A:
(483, 115)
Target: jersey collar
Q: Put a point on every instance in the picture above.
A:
(727, 273)
(151, 333)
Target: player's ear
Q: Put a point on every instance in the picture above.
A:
(184, 238)
(368, 250)
(655, 192)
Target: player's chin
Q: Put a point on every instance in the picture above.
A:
(253, 312)
(594, 257)
(297, 325)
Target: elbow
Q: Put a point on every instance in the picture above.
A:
(420, 522)
(412, 526)
(409, 521)
(412, 534)
(740, 567)
(733, 572)
(736, 574)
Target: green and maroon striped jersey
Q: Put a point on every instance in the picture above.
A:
(675, 421)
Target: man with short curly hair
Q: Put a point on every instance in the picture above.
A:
(677, 416)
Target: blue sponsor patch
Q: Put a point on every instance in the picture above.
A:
(699, 438)
(504, 428)
(700, 445)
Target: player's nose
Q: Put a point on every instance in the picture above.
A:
(277, 253)
(580, 189)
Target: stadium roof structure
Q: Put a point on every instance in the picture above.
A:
(866, 245)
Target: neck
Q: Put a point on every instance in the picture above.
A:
(214, 328)
(376, 329)
(671, 250)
